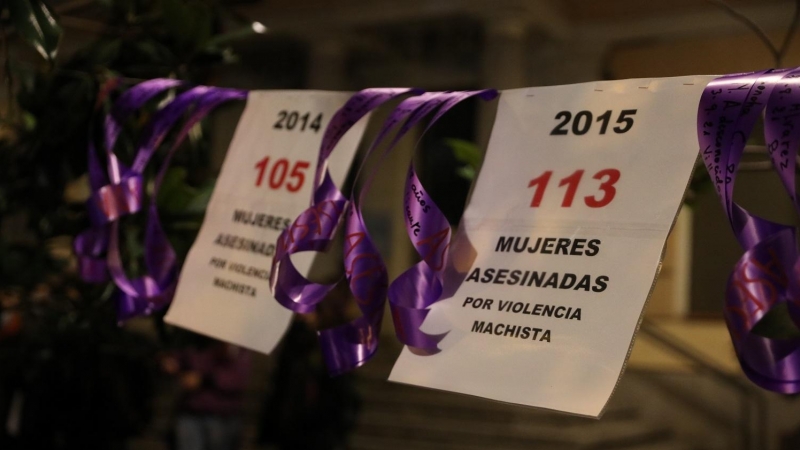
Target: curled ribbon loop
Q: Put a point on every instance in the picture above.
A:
(155, 289)
(112, 196)
(347, 346)
(766, 276)
(762, 280)
(422, 285)
(350, 345)
(782, 136)
(315, 227)
(146, 294)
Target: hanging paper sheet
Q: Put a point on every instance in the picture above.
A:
(267, 177)
(560, 244)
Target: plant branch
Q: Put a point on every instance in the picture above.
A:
(787, 40)
(7, 72)
(758, 31)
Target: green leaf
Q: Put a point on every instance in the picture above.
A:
(465, 152)
(28, 121)
(199, 203)
(106, 52)
(466, 172)
(175, 194)
(232, 36)
(185, 225)
(189, 23)
(36, 23)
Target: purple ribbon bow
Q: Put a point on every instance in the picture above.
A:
(111, 196)
(154, 290)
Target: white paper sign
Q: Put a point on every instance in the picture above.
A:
(568, 219)
(266, 181)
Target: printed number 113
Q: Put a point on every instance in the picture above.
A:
(608, 179)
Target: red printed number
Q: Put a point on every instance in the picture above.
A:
(280, 176)
(607, 177)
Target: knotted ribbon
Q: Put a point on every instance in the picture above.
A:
(154, 290)
(112, 197)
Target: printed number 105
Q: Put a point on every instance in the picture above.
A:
(279, 174)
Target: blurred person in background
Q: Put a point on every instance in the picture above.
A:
(10, 375)
(213, 377)
(306, 406)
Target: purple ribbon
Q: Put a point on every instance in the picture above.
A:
(422, 285)
(155, 289)
(124, 194)
(111, 200)
(765, 277)
(314, 228)
(348, 346)
(782, 135)
(762, 280)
